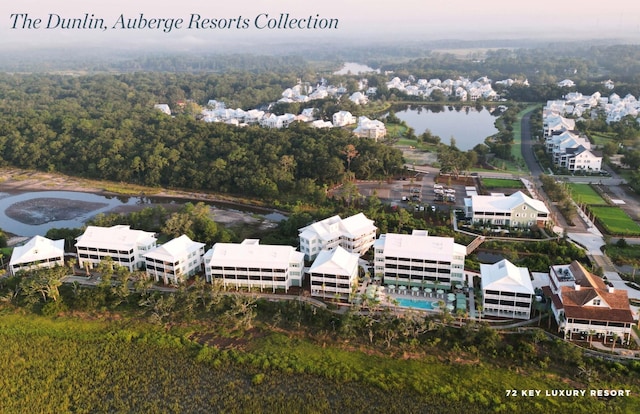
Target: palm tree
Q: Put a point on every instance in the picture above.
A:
(613, 343)
(461, 313)
(72, 265)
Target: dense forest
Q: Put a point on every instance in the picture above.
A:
(104, 126)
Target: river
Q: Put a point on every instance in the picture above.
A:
(34, 213)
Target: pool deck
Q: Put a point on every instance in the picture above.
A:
(387, 296)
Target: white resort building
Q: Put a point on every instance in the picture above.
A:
(507, 290)
(356, 234)
(516, 210)
(254, 265)
(334, 273)
(37, 253)
(175, 261)
(419, 260)
(123, 245)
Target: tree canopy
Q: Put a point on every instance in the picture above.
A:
(104, 126)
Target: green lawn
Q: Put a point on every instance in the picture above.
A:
(601, 138)
(624, 255)
(615, 221)
(516, 150)
(490, 183)
(585, 194)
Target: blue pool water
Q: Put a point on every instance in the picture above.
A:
(415, 303)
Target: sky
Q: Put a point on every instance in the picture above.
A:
(363, 20)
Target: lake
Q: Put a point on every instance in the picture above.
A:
(34, 213)
(468, 125)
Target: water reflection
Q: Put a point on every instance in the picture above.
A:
(469, 125)
(34, 213)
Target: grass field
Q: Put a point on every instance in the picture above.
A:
(83, 366)
(624, 255)
(601, 138)
(584, 193)
(490, 183)
(516, 148)
(615, 221)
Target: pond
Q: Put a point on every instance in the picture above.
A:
(34, 213)
(467, 124)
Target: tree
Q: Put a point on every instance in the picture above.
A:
(614, 339)
(121, 289)
(42, 282)
(160, 305)
(454, 161)
(350, 152)
(242, 312)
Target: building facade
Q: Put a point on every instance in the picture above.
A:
(506, 290)
(252, 265)
(516, 210)
(123, 245)
(420, 260)
(175, 261)
(356, 234)
(38, 252)
(583, 305)
(334, 273)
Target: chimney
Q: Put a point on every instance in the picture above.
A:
(610, 289)
(577, 286)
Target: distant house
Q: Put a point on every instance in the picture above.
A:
(343, 118)
(566, 83)
(569, 150)
(356, 234)
(368, 128)
(506, 290)
(277, 121)
(581, 159)
(213, 104)
(123, 245)
(516, 210)
(334, 272)
(175, 261)
(307, 115)
(163, 108)
(359, 98)
(38, 252)
(253, 265)
(555, 124)
(318, 123)
(583, 304)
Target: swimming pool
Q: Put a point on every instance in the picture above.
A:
(415, 303)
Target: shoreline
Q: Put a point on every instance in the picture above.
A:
(14, 180)
(228, 212)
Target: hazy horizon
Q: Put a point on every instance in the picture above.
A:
(355, 21)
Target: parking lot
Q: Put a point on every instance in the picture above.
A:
(417, 191)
